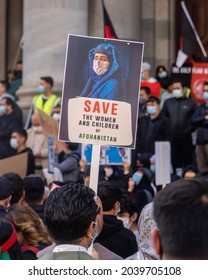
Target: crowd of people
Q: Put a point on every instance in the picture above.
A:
(44, 216)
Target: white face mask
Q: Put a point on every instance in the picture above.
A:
(38, 129)
(177, 93)
(108, 171)
(100, 67)
(14, 144)
(56, 116)
(126, 222)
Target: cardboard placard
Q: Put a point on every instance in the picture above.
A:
(16, 164)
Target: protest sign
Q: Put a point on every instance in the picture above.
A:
(108, 155)
(50, 127)
(100, 97)
(162, 163)
(101, 91)
(16, 164)
(194, 75)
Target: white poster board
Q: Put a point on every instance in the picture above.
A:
(162, 163)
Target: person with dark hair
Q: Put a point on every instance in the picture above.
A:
(6, 191)
(71, 207)
(114, 236)
(10, 119)
(128, 214)
(45, 100)
(167, 92)
(3, 90)
(200, 120)
(181, 214)
(10, 249)
(106, 79)
(18, 142)
(153, 127)
(18, 190)
(190, 172)
(35, 196)
(179, 111)
(68, 162)
(162, 75)
(141, 187)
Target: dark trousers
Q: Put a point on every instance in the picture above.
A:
(181, 152)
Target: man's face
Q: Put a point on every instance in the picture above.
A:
(4, 104)
(18, 138)
(153, 104)
(143, 94)
(177, 86)
(205, 88)
(46, 85)
(2, 89)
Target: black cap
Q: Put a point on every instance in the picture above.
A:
(6, 188)
(34, 187)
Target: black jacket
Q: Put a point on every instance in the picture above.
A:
(179, 112)
(151, 130)
(116, 238)
(7, 125)
(199, 121)
(30, 161)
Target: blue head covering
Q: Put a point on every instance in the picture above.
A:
(96, 82)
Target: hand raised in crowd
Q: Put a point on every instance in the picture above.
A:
(126, 167)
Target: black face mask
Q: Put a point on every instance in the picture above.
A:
(18, 74)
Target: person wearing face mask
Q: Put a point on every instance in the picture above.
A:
(37, 141)
(200, 120)
(162, 75)
(18, 142)
(106, 80)
(128, 214)
(153, 127)
(179, 111)
(114, 236)
(45, 100)
(5, 194)
(10, 119)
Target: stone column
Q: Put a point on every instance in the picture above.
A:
(163, 33)
(2, 37)
(46, 25)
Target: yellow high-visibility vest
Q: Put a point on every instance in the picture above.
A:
(48, 106)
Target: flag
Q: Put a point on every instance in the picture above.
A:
(188, 32)
(108, 27)
(190, 40)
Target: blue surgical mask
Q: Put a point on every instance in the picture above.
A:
(152, 168)
(41, 89)
(2, 110)
(137, 177)
(163, 74)
(177, 93)
(142, 77)
(205, 95)
(151, 110)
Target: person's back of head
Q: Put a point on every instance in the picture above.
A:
(181, 214)
(6, 191)
(48, 80)
(17, 187)
(70, 213)
(10, 249)
(34, 188)
(109, 193)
